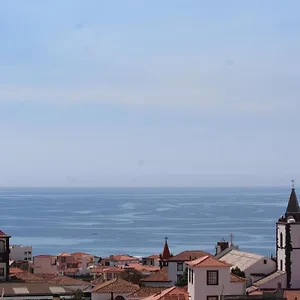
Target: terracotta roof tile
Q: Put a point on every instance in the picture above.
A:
(160, 276)
(153, 256)
(120, 257)
(146, 292)
(143, 268)
(43, 256)
(173, 293)
(189, 255)
(27, 277)
(80, 254)
(207, 261)
(70, 270)
(292, 294)
(3, 234)
(116, 285)
(64, 254)
(65, 280)
(235, 278)
(97, 281)
(15, 271)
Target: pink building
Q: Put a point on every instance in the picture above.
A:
(44, 264)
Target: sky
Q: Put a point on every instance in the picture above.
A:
(149, 93)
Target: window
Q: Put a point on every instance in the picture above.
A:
(192, 279)
(212, 277)
(190, 275)
(265, 261)
(281, 265)
(212, 298)
(2, 246)
(29, 252)
(281, 240)
(1, 272)
(179, 267)
(107, 263)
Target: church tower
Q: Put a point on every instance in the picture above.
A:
(4, 256)
(288, 242)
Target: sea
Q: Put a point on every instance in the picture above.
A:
(135, 221)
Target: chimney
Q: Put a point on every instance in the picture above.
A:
(221, 246)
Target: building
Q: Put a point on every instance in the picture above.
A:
(116, 288)
(165, 255)
(119, 260)
(157, 279)
(177, 263)
(210, 278)
(20, 253)
(152, 260)
(173, 293)
(44, 264)
(4, 256)
(254, 266)
(288, 243)
(65, 260)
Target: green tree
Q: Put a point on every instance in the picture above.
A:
(183, 279)
(237, 271)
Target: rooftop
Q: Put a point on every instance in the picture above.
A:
(207, 261)
(174, 293)
(189, 255)
(116, 285)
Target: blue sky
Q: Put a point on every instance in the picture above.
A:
(149, 92)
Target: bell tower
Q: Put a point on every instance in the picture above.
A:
(4, 256)
(288, 242)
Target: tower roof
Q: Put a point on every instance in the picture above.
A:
(293, 205)
(166, 252)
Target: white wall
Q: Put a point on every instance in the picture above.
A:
(261, 267)
(19, 252)
(172, 271)
(199, 290)
(273, 284)
(281, 252)
(295, 256)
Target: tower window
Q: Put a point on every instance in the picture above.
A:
(281, 240)
(2, 246)
(1, 272)
(281, 265)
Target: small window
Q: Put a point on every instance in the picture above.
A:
(2, 247)
(1, 272)
(190, 275)
(192, 279)
(212, 277)
(29, 252)
(281, 265)
(281, 240)
(180, 267)
(25, 258)
(25, 252)
(107, 263)
(212, 297)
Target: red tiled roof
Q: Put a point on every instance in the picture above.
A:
(153, 256)
(120, 257)
(116, 285)
(43, 256)
(65, 280)
(3, 234)
(64, 254)
(292, 294)
(235, 278)
(189, 255)
(173, 293)
(27, 277)
(143, 268)
(160, 276)
(113, 270)
(207, 261)
(15, 271)
(80, 254)
(146, 292)
(97, 270)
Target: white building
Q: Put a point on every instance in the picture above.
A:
(177, 263)
(44, 264)
(210, 278)
(254, 266)
(287, 250)
(20, 252)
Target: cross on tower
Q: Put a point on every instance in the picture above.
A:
(293, 183)
(166, 239)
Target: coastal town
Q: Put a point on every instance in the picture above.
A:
(229, 273)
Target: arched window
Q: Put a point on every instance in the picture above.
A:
(281, 240)
(2, 246)
(119, 298)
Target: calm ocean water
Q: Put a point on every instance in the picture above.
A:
(106, 221)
